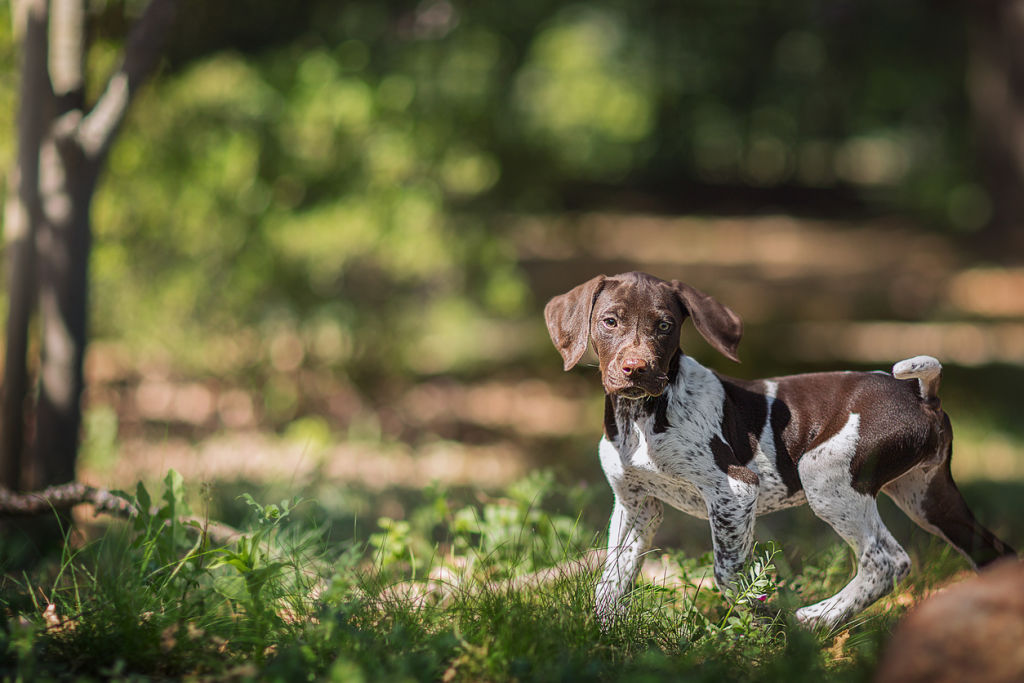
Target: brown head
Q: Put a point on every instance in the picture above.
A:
(634, 319)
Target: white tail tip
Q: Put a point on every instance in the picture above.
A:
(925, 369)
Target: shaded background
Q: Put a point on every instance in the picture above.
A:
(324, 238)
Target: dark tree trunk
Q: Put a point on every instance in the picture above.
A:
(68, 179)
(66, 182)
(62, 147)
(22, 216)
(995, 84)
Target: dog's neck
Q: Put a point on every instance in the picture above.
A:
(621, 413)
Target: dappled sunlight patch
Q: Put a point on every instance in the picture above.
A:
(260, 457)
(526, 407)
(987, 454)
(56, 623)
(781, 246)
(994, 292)
(837, 650)
(191, 402)
(969, 344)
(666, 571)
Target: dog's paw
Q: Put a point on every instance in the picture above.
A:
(820, 615)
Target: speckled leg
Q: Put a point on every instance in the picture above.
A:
(881, 562)
(632, 528)
(731, 514)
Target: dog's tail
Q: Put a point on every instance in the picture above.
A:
(926, 370)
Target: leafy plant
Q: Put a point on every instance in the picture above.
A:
(515, 535)
(746, 621)
(253, 560)
(161, 532)
(392, 544)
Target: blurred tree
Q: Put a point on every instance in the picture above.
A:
(995, 81)
(62, 147)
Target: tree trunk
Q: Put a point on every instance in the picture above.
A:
(22, 215)
(67, 179)
(62, 148)
(995, 85)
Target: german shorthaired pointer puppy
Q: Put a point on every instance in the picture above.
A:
(727, 449)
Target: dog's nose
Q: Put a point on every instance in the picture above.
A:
(633, 366)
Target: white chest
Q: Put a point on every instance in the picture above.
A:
(637, 474)
(676, 464)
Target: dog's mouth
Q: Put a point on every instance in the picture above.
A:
(635, 392)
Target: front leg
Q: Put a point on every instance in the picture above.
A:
(732, 505)
(633, 524)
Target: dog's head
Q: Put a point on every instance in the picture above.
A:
(633, 320)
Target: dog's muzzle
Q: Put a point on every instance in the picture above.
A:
(647, 387)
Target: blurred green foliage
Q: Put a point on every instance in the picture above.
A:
(339, 172)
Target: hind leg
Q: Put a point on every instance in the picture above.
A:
(881, 562)
(929, 496)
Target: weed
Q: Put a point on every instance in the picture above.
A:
(257, 572)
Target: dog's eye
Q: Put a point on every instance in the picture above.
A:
(664, 326)
(610, 322)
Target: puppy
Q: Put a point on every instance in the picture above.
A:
(727, 450)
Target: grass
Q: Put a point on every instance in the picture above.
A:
(442, 595)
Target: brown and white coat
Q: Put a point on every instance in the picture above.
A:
(727, 450)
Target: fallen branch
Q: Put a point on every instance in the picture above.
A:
(63, 497)
(445, 583)
(66, 496)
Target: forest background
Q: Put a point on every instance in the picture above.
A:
(320, 242)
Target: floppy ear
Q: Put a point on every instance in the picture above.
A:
(716, 323)
(568, 319)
